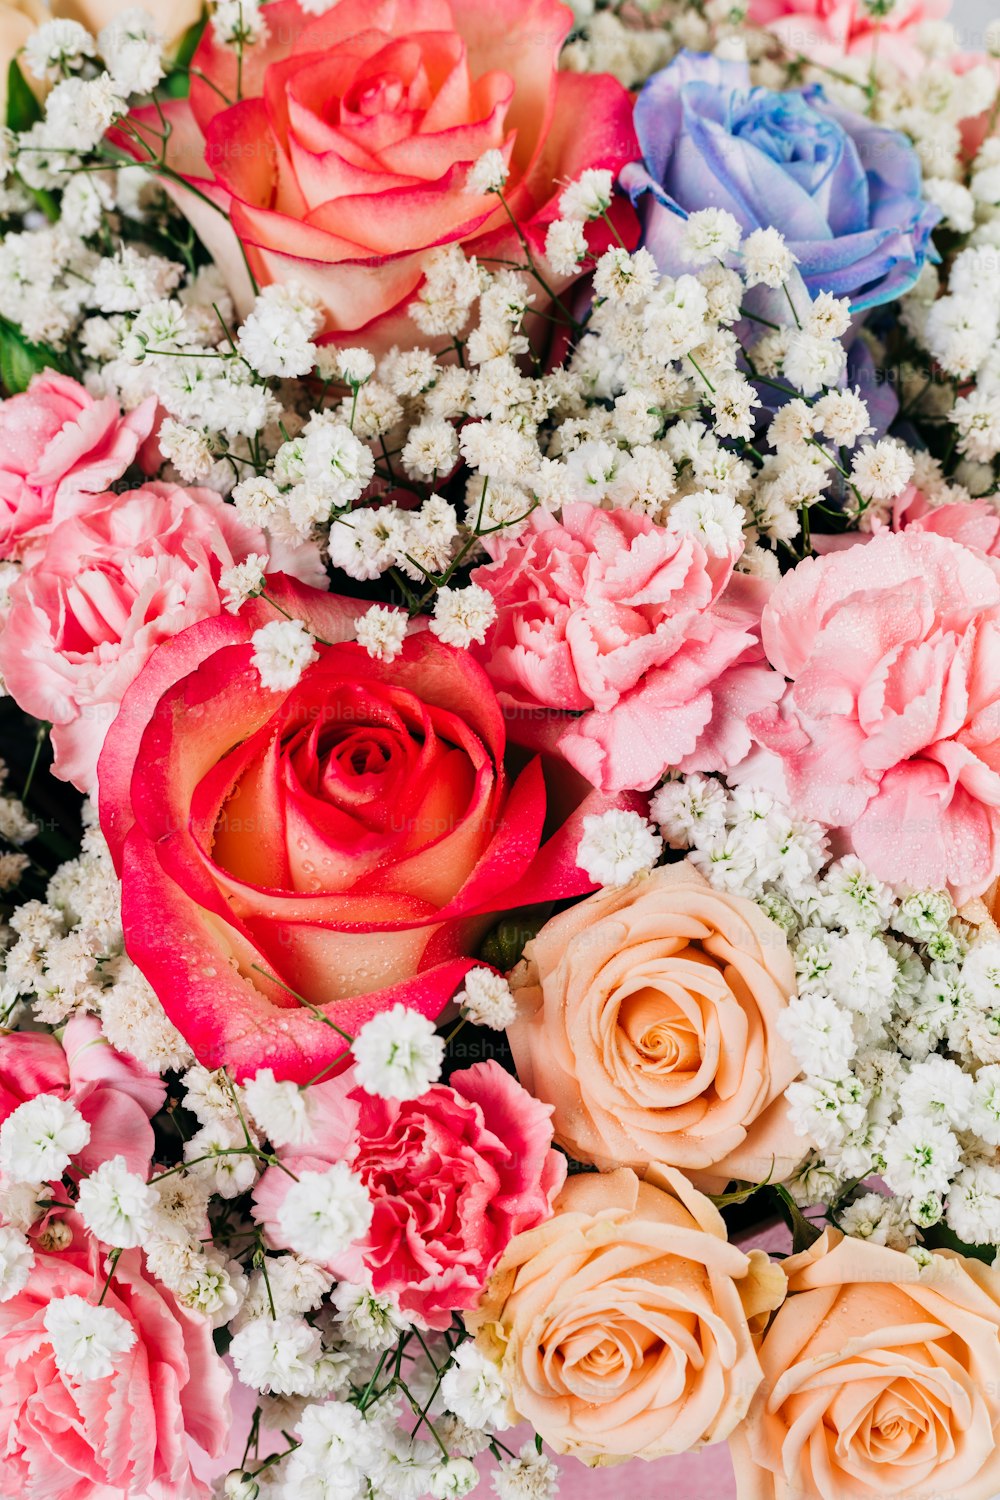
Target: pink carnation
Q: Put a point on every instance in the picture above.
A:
(58, 446)
(453, 1176)
(828, 31)
(126, 1434)
(610, 614)
(890, 726)
(108, 587)
(115, 1094)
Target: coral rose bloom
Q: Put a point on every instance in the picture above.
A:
(344, 841)
(129, 1432)
(624, 1324)
(344, 159)
(890, 726)
(648, 1018)
(881, 1378)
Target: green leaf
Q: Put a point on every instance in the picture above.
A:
(804, 1231)
(940, 1237)
(188, 45)
(23, 109)
(738, 1195)
(20, 360)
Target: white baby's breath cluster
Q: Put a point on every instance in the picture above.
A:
(17, 828)
(653, 411)
(66, 956)
(895, 1023)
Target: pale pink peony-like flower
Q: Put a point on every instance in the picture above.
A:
(610, 614)
(453, 1175)
(127, 1433)
(890, 726)
(58, 448)
(108, 587)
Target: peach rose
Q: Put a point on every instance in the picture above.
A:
(880, 1378)
(624, 1324)
(647, 1017)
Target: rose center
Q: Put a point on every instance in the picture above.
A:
(896, 1424)
(790, 131)
(366, 757)
(380, 96)
(662, 1037)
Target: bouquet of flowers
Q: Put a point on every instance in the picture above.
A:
(500, 627)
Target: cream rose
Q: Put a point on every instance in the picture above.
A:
(624, 1324)
(648, 1018)
(172, 18)
(18, 19)
(880, 1379)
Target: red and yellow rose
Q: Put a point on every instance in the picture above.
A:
(321, 852)
(338, 147)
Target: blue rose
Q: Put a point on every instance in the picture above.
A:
(843, 191)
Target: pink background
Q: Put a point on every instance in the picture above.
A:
(707, 1475)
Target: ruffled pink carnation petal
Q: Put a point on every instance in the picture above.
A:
(887, 729)
(606, 611)
(453, 1176)
(128, 1432)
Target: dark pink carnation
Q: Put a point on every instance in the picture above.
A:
(453, 1176)
(58, 446)
(610, 615)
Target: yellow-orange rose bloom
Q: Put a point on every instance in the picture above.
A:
(880, 1379)
(624, 1324)
(648, 1016)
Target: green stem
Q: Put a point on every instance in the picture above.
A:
(320, 1015)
